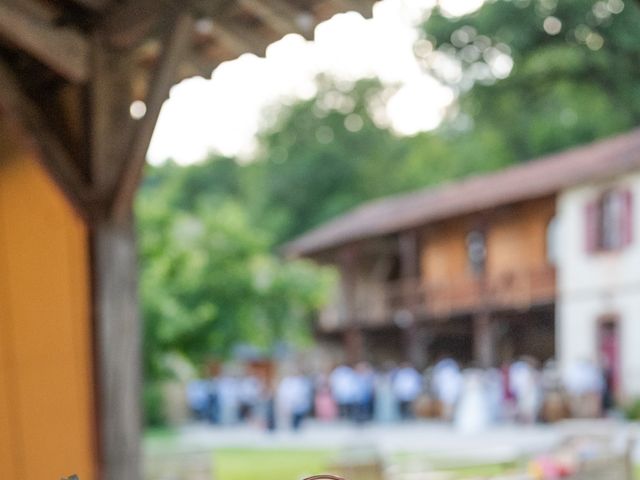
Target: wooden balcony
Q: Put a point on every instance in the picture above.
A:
(380, 303)
(523, 289)
(513, 290)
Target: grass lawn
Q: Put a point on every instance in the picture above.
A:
(276, 464)
(293, 464)
(159, 439)
(267, 464)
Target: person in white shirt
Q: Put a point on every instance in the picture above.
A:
(407, 387)
(447, 385)
(249, 390)
(294, 399)
(343, 383)
(585, 385)
(524, 382)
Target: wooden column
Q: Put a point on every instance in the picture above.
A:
(354, 345)
(409, 254)
(415, 349)
(118, 148)
(353, 340)
(483, 340)
(416, 340)
(118, 349)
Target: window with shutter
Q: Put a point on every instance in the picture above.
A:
(591, 227)
(609, 221)
(627, 218)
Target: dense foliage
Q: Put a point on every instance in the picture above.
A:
(576, 65)
(209, 278)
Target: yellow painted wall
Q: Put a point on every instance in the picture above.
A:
(46, 404)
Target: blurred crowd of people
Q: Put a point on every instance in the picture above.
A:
(471, 398)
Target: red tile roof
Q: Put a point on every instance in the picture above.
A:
(537, 178)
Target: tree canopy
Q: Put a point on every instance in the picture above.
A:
(209, 278)
(576, 65)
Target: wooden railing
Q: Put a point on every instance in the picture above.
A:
(463, 295)
(512, 290)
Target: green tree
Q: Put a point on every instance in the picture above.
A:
(576, 65)
(209, 279)
(325, 155)
(328, 154)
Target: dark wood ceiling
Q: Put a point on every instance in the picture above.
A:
(58, 33)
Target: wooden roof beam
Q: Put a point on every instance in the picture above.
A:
(63, 50)
(128, 23)
(363, 7)
(94, 5)
(175, 48)
(53, 153)
(239, 39)
(282, 17)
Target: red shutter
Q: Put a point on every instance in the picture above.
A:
(627, 217)
(591, 227)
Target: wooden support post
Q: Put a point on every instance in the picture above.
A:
(117, 322)
(416, 341)
(483, 340)
(353, 345)
(409, 254)
(175, 47)
(118, 349)
(408, 249)
(353, 339)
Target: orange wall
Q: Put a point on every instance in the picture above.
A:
(444, 254)
(515, 236)
(46, 405)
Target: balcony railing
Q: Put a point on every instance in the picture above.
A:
(511, 290)
(380, 305)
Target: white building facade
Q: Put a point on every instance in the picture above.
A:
(598, 269)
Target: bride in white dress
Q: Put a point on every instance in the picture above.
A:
(473, 411)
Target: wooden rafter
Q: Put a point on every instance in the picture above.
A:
(239, 39)
(363, 7)
(129, 22)
(53, 153)
(111, 124)
(62, 49)
(45, 12)
(175, 48)
(282, 17)
(95, 5)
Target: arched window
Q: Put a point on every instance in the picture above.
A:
(609, 221)
(476, 251)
